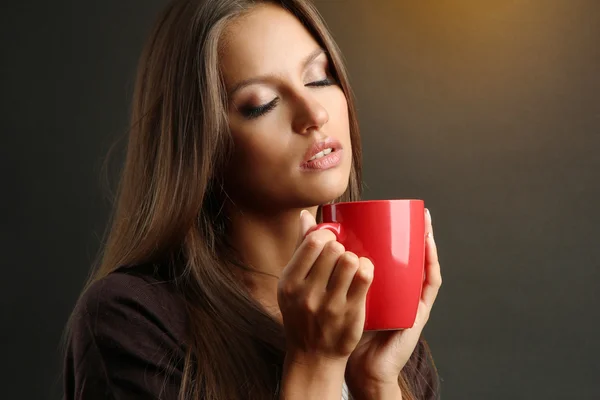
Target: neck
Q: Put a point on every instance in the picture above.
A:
(265, 242)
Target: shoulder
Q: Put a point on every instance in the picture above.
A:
(132, 297)
(126, 337)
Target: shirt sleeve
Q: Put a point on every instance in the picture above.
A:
(122, 344)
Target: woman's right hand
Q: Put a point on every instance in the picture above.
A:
(322, 294)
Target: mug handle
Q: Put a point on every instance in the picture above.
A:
(334, 227)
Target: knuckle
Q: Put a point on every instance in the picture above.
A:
(434, 280)
(335, 248)
(286, 288)
(366, 270)
(424, 317)
(350, 260)
(366, 263)
(309, 305)
(314, 242)
(330, 310)
(365, 277)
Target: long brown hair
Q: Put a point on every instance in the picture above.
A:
(168, 209)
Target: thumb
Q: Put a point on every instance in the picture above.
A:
(307, 221)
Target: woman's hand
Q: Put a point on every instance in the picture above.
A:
(321, 294)
(375, 364)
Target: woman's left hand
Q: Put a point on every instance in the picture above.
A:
(375, 364)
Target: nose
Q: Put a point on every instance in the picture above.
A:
(310, 114)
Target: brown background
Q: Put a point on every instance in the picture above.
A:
(487, 109)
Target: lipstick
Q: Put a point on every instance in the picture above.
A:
(323, 155)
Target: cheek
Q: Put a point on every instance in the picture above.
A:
(248, 154)
(255, 156)
(343, 128)
(339, 114)
(340, 123)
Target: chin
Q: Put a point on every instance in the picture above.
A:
(324, 191)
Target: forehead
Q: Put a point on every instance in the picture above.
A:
(267, 40)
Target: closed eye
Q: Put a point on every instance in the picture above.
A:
(255, 112)
(321, 83)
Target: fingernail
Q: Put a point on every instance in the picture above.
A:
(302, 212)
(428, 212)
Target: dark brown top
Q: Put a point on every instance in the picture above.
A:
(127, 341)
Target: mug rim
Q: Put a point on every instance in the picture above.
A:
(374, 202)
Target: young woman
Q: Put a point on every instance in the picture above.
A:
(209, 286)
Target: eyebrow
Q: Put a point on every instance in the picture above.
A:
(258, 79)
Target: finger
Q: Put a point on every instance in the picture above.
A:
(307, 221)
(305, 256)
(361, 281)
(428, 223)
(321, 271)
(410, 337)
(433, 275)
(343, 274)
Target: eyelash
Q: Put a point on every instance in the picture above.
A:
(255, 112)
(321, 83)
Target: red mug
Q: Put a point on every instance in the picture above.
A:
(391, 233)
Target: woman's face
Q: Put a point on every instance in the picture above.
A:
(288, 118)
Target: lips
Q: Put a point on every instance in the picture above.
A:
(323, 155)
